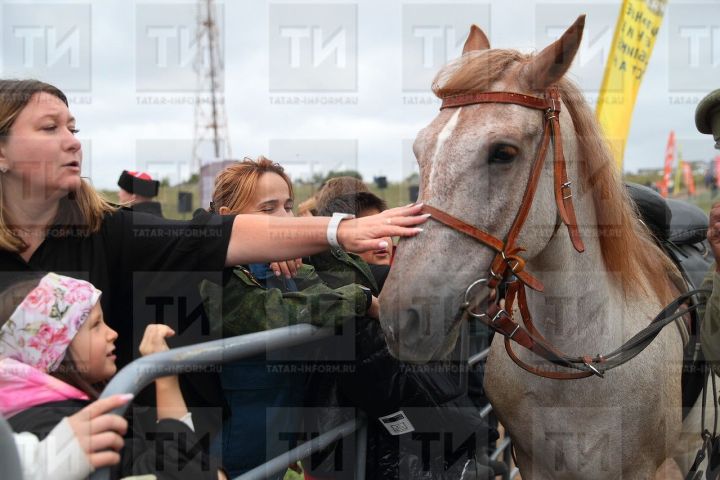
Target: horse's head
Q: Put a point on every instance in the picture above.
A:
(475, 162)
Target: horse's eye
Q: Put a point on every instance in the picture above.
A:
(503, 154)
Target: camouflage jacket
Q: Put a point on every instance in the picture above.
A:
(710, 315)
(245, 304)
(337, 268)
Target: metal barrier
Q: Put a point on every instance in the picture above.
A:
(141, 372)
(281, 462)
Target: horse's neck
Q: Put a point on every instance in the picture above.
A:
(582, 309)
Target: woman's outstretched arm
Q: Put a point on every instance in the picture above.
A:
(262, 238)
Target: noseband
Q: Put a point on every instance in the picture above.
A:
(508, 263)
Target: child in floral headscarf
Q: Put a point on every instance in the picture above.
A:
(55, 349)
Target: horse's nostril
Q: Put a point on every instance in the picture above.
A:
(412, 320)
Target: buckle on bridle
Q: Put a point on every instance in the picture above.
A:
(552, 110)
(519, 265)
(550, 114)
(466, 300)
(594, 370)
(564, 186)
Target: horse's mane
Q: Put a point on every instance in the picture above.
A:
(627, 245)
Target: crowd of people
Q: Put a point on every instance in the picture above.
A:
(81, 278)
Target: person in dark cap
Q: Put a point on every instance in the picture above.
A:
(137, 190)
(707, 120)
(707, 116)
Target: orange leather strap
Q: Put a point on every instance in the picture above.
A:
(487, 239)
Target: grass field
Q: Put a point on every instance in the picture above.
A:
(395, 195)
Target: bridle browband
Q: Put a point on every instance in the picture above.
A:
(508, 263)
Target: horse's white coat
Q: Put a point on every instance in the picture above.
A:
(443, 136)
(622, 426)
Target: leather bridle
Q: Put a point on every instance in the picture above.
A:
(508, 267)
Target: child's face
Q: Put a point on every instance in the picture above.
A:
(380, 256)
(93, 347)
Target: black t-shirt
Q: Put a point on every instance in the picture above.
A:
(147, 267)
(153, 208)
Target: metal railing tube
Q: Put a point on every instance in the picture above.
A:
(478, 357)
(141, 372)
(282, 461)
(500, 449)
(361, 449)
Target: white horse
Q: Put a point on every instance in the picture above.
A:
(475, 161)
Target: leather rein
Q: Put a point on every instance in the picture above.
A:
(508, 263)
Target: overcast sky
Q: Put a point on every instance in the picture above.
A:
(327, 85)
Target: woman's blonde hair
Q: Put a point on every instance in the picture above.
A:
(79, 213)
(236, 185)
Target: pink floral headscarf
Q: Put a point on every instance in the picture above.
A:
(41, 328)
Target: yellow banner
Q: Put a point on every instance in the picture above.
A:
(635, 33)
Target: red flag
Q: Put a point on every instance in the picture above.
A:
(689, 181)
(669, 157)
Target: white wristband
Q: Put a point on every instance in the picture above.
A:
(332, 228)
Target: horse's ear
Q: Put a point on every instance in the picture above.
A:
(477, 40)
(550, 65)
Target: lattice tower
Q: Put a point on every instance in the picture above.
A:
(210, 118)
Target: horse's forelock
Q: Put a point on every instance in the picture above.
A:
(627, 247)
(475, 71)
